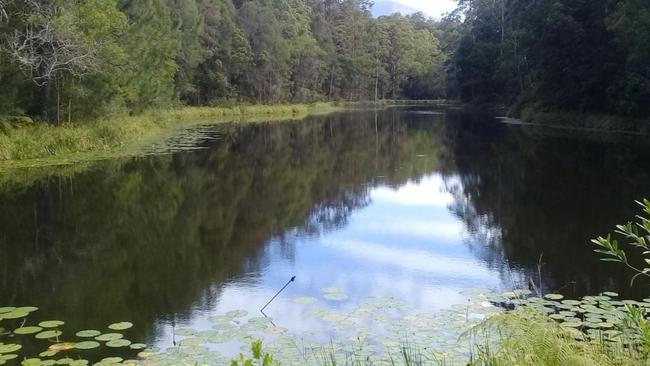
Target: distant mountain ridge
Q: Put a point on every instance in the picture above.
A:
(388, 7)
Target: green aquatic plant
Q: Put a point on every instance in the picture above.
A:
(49, 334)
(529, 337)
(258, 358)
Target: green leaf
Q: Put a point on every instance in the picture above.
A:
(120, 326)
(49, 334)
(51, 323)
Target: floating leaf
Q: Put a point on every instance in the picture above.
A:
(7, 309)
(48, 353)
(32, 362)
(27, 330)
(109, 337)
(14, 315)
(120, 326)
(27, 309)
(138, 346)
(118, 343)
(336, 296)
(554, 297)
(51, 323)
(236, 313)
(87, 345)
(89, 333)
(9, 348)
(333, 290)
(58, 347)
(185, 332)
(112, 359)
(48, 334)
(305, 300)
(275, 330)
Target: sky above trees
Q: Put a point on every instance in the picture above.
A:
(434, 8)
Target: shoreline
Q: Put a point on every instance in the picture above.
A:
(33, 145)
(40, 145)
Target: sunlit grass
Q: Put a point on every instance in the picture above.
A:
(125, 135)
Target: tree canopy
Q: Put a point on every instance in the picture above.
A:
(72, 59)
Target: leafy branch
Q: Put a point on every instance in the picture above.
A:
(637, 235)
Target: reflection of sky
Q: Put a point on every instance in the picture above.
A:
(405, 244)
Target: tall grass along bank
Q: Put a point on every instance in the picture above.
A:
(35, 144)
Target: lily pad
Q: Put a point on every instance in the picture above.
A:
(107, 337)
(27, 330)
(27, 309)
(336, 296)
(9, 348)
(112, 360)
(554, 297)
(118, 343)
(120, 326)
(87, 345)
(14, 315)
(275, 330)
(48, 334)
(138, 346)
(333, 290)
(32, 362)
(89, 333)
(237, 313)
(305, 300)
(58, 347)
(51, 323)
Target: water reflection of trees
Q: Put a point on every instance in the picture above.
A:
(526, 192)
(156, 237)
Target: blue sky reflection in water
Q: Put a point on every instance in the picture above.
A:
(405, 243)
(404, 203)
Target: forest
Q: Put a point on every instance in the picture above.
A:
(64, 60)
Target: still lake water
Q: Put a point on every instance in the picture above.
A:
(418, 203)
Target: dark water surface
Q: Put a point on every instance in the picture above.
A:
(417, 204)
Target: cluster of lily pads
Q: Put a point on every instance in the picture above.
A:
(59, 351)
(378, 330)
(592, 317)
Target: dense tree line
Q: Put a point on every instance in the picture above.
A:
(577, 55)
(71, 59)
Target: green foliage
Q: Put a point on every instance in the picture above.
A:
(637, 235)
(125, 136)
(123, 56)
(260, 358)
(527, 337)
(585, 56)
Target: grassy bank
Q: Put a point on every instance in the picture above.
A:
(43, 144)
(533, 114)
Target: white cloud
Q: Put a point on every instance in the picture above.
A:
(409, 261)
(434, 8)
(429, 192)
